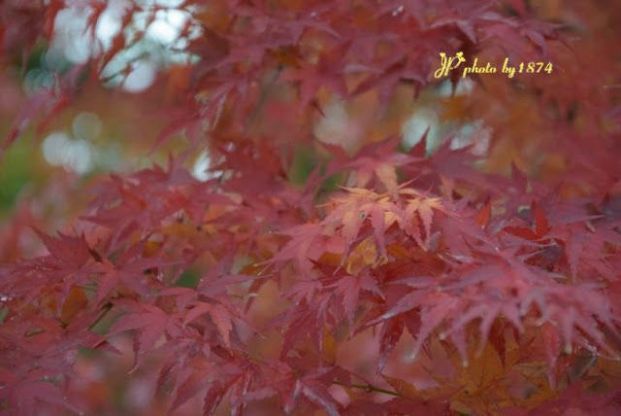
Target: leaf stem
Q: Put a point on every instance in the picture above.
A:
(369, 388)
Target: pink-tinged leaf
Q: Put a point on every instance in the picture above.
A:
(259, 394)
(512, 313)
(378, 222)
(239, 392)
(431, 318)
(221, 317)
(541, 222)
(418, 282)
(292, 397)
(423, 207)
(573, 250)
(350, 287)
(483, 216)
(166, 374)
(189, 388)
(522, 232)
(391, 334)
(458, 338)
(352, 221)
(552, 344)
(107, 281)
(297, 248)
(320, 396)
(36, 392)
(151, 324)
(567, 322)
(388, 177)
(486, 313)
(467, 29)
(71, 250)
(537, 38)
(200, 308)
(408, 302)
(213, 397)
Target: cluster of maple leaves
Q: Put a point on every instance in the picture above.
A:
(421, 283)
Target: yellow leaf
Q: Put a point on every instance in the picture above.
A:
(365, 254)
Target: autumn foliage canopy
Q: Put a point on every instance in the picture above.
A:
(364, 238)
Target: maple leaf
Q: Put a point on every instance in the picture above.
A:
(151, 323)
(66, 251)
(310, 78)
(350, 288)
(376, 159)
(424, 207)
(220, 316)
(297, 248)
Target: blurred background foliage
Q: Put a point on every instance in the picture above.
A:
(105, 126)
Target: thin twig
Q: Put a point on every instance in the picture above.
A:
(106, 308)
